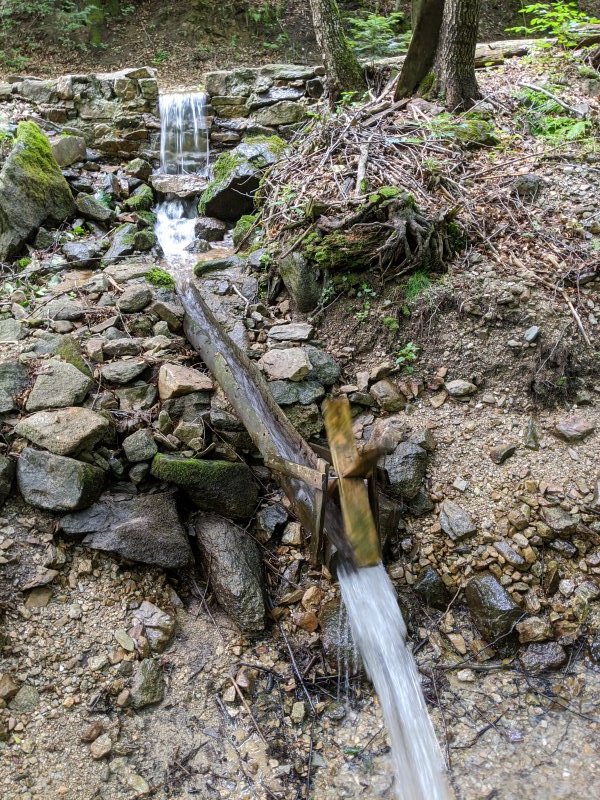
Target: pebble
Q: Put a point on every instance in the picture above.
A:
(101, 747)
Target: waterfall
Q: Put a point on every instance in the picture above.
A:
(183, 133)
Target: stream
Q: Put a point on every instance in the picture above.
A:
(368, 594)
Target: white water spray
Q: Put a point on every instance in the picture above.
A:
(183, 133)
(380, 633)
(174, 230)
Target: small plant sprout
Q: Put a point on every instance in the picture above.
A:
(406, 356)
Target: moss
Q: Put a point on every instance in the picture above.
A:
(223, 168)
(469, 130)
(341, 250)
(33, 155)
(159, 277)
(148, 218)
(141, 200)
(69, 351)
(384, 193)
(456, 236)
(243, 227)
(275, 143)
(427, 85)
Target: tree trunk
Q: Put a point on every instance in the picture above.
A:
(341, 65)
(455, 68)
(427, 23)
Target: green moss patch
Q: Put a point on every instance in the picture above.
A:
(161, 278)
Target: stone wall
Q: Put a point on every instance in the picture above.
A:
(117, 112)
(262, 100)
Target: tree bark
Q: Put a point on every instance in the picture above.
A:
(341, 65)
(455, 68)
(427, 23)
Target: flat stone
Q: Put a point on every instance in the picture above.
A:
(139, 397)
(225, 487)
(68, 150)
(148, 686)
(82, 254)
(285, 112)
(122, 372)
(11, 330)
(171, 313)
(286, 393)
(140, 446)
(234, 562)
(135, 298)
(182, 186)
(456, 522)
(544, 657)
(121, 347)
(291, 332)
(459, 388)
(502, 452)
(492, 609)
(145, 529)
(57, 483)
(66, 431)
(59, 385)
(25, 700)
(101, 747)
(291, 364)
(91, 208)
(573, 429)
(210, 229)
(532, 334)
(159, 627)
(175, 380)
(63, 309)
(559, 521)
(13, 379)
(405, 470)
(509, 555)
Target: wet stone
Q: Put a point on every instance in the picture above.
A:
(534, 629)
(431, 589)
(493, 611)
(456, 522)
(543, 657)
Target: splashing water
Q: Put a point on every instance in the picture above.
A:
(379, 632)
(183, 133)
(174, 229)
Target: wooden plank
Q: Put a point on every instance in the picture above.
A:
(313, 477)
(316, 539)
(359, 525)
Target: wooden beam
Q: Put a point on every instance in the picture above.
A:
(359, 525)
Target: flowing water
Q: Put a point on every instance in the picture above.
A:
(372, 607)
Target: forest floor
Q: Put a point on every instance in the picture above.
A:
(307, 727)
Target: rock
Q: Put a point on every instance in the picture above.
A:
(13, 379)
(122, 243)
(291, 364)
(534, 629)
(191, 434)
(233, 563)
(64, 309)
(235, 178)
(188, 408)
(148, 686)
(138, 397)
(298, 712)
(139, 168)
(286, 393)
(509, 555)
(336, 638)
(32, 190)
(144, 528)
(270, 520)
(573, 429)
(531, 334)
(300, 280)
(141, 199)
(91, 208)
(531, 439)
(25, 700)
(222, 486)
(459, 388)
(140, 446)
(68, 150)
(284, 112)
(209, 229)
(56, 483)
(502, 452)
(176, 381)
(159, 627)
(559, 521)
(171, 313)
(306, 419)
(11, 330)
(595, 649)
(82, 254)
(492, 609)
(7, 474)
(135, 298)
(431, 588)
(324, 368)
(387, 396)
(122, 372)
(117, 348)
(529, 186)
(539, 658)
(101, 747)
(8, 687)
(291, 332)
(405, 470)
(59, 385)
(66, 431)
(456, 522)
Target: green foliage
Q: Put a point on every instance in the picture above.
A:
(23, 262)
(367, 293)
(406, 356)
(559, 20)
(376, 36)
(242, 228)
(470, 130)
(161, 278)
(549, 120)
(160, 57)
(418, 283)
(391, 323)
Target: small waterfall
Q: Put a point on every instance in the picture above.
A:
(174, 228)
(183, 133)
(380, 633)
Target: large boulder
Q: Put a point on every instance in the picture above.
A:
(236, 176)
(145, 529)
(65, 431)
(32, 190)
(222, 486)
(56, 483)
(233, 563)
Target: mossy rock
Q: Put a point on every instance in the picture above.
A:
(225, 487)
(242, 230)
(70, 351)
(33, 190)
(142, 199)
(469, 130)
